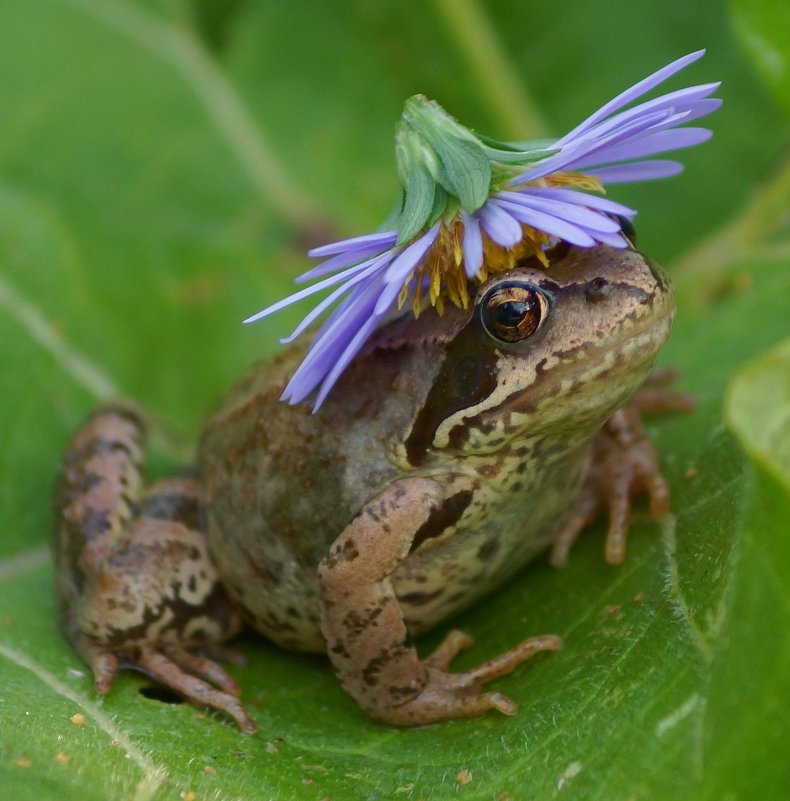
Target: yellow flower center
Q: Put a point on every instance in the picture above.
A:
(442, 273)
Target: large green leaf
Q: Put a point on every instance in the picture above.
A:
(162, 167)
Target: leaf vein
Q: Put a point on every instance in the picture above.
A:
(218, 97)
(22, 562)
(153, 774)
(84, 372)
(675, 593)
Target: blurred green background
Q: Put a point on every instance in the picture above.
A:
(164, 164)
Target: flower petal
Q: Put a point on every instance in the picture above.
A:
(702, 108)
(581, 198)
(635, 91)
(689, 103)
(637, 171)
(331, 341)
(402, 266)
(353, 347)
(338, 262)
(550, 224)
(572, 212)
(307, 291)
(499, 224)
(384, 239)
(568, 157)
(613, 240)
(472, 244)
(410, 256)
(647, 145)
(375, 266)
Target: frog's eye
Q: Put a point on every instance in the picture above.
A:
(512, 311)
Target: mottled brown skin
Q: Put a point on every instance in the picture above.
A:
(441, 463)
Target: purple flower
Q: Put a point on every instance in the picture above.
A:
(536, 197)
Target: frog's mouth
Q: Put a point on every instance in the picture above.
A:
(638, 347)
(575, 398)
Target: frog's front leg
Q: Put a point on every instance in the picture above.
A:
(135, 584)
(364, 628)
(624, 464)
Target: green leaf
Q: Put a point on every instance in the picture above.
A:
(453, 154)
(138, 226)
(763, 27)
(758, 410)
(746, 726)
(517, 152)
(464, 171)
(419, 188)
(419, 198)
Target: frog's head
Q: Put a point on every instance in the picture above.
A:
(546, 350)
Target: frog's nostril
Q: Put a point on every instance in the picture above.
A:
(598, 289)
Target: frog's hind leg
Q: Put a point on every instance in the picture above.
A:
(136, 587)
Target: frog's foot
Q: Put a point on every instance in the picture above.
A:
(625, 464)
(452, 696)
(172, 666)
(655, 395)
(189, 675)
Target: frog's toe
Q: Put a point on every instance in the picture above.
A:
(455, 641)
(220, 652)
(105, 668)
(657, 396)
(506, 662)
(453, 696)
(171, 670)
(637, 471)
(204, 668)
(585, 513)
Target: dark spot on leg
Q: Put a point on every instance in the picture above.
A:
(340, 650)
(350, 552)
(373, 668)
(420, 598)
(402, 693)
(487, 550)
(82, 482)
(94, 522)
(355, 622)
(97, 446)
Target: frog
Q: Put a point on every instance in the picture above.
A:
(453, 450)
